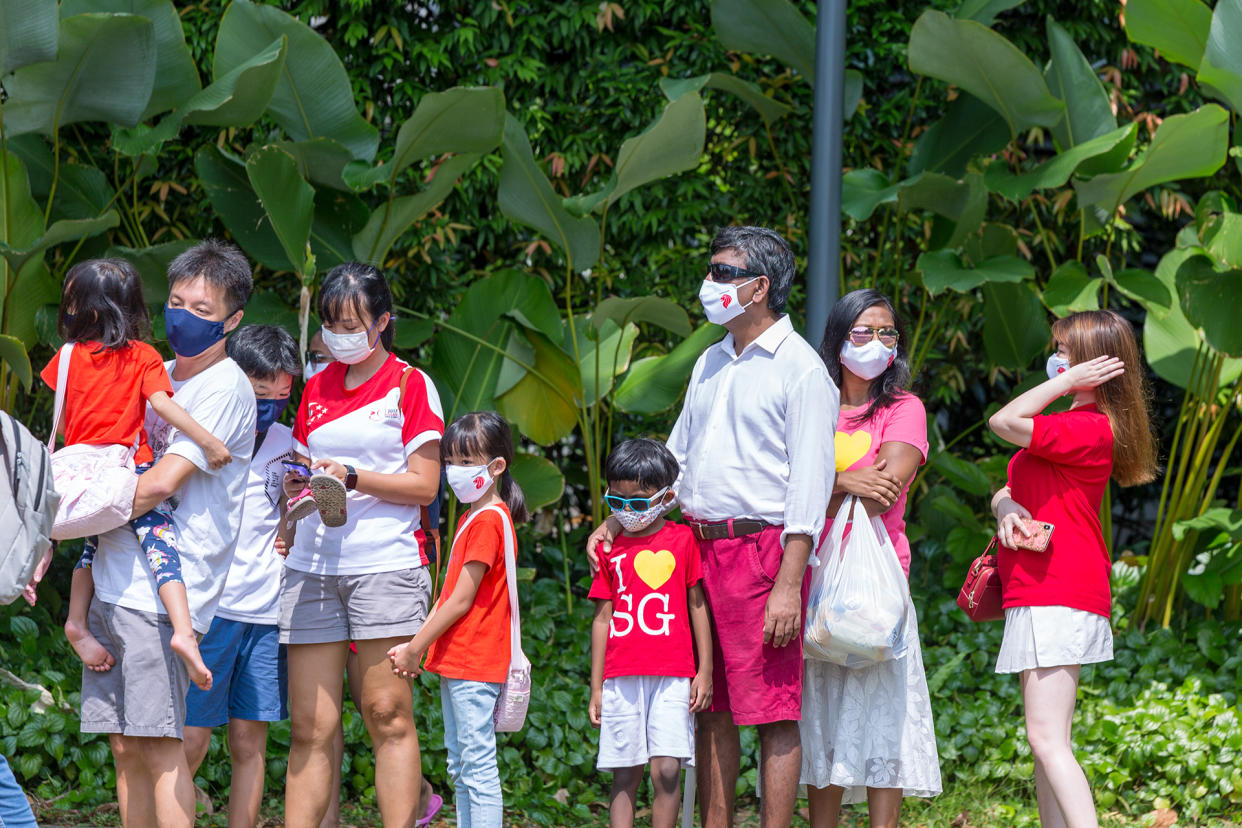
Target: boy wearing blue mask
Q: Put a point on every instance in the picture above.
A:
(241, 647)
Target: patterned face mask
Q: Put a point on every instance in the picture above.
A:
(636, 521)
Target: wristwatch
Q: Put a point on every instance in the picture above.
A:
(351, 478)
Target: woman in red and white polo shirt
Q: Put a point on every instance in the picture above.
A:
(365, 580)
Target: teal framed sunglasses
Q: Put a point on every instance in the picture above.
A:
(634, 504)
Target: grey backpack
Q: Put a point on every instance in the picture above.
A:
(27, 506)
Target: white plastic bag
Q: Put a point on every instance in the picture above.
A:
(856, 614)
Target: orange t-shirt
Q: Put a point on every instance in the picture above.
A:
(106, 397)
(476, 647)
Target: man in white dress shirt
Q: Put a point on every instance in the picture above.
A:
(755, 444)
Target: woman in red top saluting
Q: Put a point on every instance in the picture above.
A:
(1057, 601)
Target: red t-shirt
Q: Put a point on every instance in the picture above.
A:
(647, 579)
(1061, 479)
(106, 394)
(476, 647)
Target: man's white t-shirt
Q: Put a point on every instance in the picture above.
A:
(206, 511)
(252, 590)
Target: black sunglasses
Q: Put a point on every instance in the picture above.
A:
(720, 272)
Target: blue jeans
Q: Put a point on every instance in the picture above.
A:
(15, 810)
(470, 739)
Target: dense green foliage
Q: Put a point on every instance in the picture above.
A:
(1158, 727)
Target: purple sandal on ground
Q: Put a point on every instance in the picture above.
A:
(434, 803)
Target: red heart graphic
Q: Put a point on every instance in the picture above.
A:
(478, 482)
(725, 300)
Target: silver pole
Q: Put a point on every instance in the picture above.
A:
(824, 233)
(687, 800)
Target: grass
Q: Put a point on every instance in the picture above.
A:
(1010, 806)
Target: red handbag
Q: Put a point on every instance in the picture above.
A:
(980, 597)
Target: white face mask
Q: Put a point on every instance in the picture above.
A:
(311, 368)
(1057, 365)
(720, 302)
(349, 348)
(867, 361)
(469, 483)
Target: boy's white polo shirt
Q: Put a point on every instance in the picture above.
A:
(252, 591)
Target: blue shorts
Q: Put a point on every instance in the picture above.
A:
(250, 675)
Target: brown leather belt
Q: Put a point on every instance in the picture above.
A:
(720, 529)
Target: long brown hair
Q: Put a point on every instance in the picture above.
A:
(1126, 400)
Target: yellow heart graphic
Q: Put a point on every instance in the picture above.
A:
(654, 567)
(851, 448)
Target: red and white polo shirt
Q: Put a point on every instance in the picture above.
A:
(366, 428)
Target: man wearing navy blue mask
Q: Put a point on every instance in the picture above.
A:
(141, 700)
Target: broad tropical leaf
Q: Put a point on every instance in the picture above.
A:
(544, 403)
(962, 203)
(672, 144)
(313, 97)
(541, 481)
(1184, 146)
(1221, 68)
(654, 310)
(770, 109)
(27, 33)
(1088, 113)
(1055, 171)
(1210, 300)
(985, 64)
(655, 383)
(969, 128)
(1177, 28)
(13, 353)
(984, 11)
(1071, 289)
(391, 219)
(527, 197)
(104, 71)
(286, 198)
(864, 190)
(234, 200)
(176, 76)
(462, 119)
(767, 27)
(1169, 340)
(1015, 330)
(943, 270)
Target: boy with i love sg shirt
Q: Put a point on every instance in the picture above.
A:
(650, 621)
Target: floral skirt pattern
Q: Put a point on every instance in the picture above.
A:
(870, 726)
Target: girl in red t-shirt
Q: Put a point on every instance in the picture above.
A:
(113, 376)
(467, 635)
(1057, 601)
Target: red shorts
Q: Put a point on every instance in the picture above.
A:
(756, 682)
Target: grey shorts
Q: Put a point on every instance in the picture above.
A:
(318, 609)
(144, 692)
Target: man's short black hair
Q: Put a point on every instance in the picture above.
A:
(264, 352)
(766, 252)
(643, 461)
(221, 264)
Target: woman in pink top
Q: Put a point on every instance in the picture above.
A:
(867, 732)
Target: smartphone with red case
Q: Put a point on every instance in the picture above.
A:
(1041, 534)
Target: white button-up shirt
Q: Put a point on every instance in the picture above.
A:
(755, 436)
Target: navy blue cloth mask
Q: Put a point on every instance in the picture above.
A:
(268, 412)
(190, 335)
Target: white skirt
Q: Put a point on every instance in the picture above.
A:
(1053, 637)
(870, 726)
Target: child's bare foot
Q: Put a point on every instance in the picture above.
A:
(186, 646)
(88, 648)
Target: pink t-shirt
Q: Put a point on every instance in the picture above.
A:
(858, 445)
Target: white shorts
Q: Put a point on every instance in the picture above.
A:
(1053, 637)
(642, 717)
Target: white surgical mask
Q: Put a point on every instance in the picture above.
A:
(720, 302)
(1056, 366)
(867, 361)
(469, 483)
(349, 348)
(312, 368)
